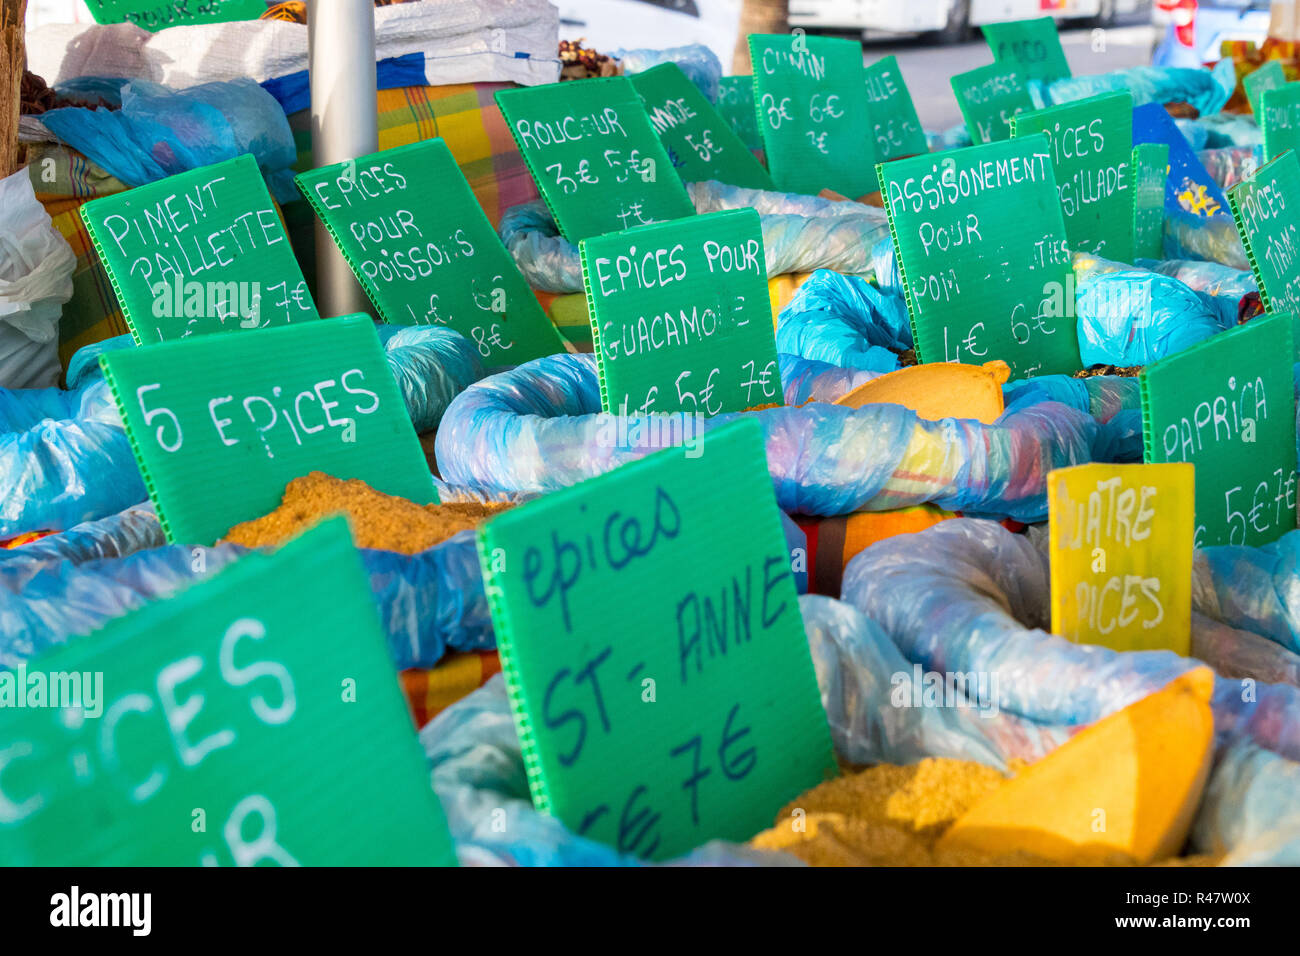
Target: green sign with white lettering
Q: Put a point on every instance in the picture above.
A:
(1270, 76)
(1031, 46)
(1151, 171)
(981, 248)
(1281, 120)
(1227, 405)
(736, 105)
(594, 156)
(157, 15)
(813, 114)
(653, 650)
(895, 126)
(429, 263)
(681, 320)
(202, 251)
(990, 97)
(222, 424)
(1091, 142)
(1264, 207)
(253, 719)
(699, 142)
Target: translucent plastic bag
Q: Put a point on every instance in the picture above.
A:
(135, 529)
(58, 472)
(1207, 90)
(1256, 589)
(36, 266)
(539, 427)
(428, 602)
(1226, 131)
(968, 596)
(1228, 166)
(698, 62)
(846, 321)
(478, 770)
(159, 132)
(432, 366)
(1248, 810)
(1136, 317)
(800, 234)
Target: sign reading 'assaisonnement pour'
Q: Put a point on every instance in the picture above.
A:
(981, 248)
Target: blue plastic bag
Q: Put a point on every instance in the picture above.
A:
(539, 427)
(58, 472)
(846, 321)
(159, 132)
(800, 234)
(698, 62)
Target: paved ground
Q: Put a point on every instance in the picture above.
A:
(926, 67)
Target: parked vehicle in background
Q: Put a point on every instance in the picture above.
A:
(948, 21)
(1189, 33)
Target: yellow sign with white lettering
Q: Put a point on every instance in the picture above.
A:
(1121, 553)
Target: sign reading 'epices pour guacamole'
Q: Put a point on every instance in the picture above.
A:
(681, 319)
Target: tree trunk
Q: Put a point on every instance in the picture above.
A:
(13, 59)
(758, 16)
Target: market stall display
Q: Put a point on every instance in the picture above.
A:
(922, 495)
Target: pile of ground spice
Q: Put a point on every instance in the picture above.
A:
(377, 520)
(889, 815)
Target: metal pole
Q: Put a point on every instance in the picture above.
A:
(344, 123)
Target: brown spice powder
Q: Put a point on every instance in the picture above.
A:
(377, 520)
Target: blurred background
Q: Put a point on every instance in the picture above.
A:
(933, 39)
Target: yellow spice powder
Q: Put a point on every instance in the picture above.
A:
(890, 815)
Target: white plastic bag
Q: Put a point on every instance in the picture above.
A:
(36, 266)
